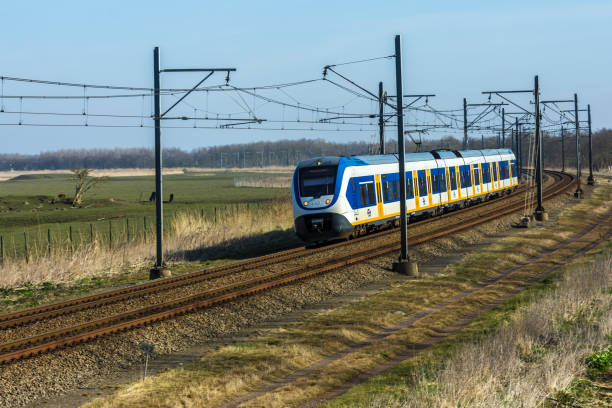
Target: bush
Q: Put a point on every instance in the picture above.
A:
(601, 361)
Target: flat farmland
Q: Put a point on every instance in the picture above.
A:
(39, 205)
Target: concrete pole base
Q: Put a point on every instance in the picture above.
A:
(578, 193)
(524, 222)
(159, 272)
(406, 267)
(591, 181)
(540, 215)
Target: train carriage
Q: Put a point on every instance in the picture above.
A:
(338, 197)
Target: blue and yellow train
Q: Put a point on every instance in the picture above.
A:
(339, 197)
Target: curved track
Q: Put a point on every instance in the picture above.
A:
(378, 244)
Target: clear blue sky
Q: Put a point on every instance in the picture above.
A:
(453, 49)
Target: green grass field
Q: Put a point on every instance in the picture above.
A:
(31, 204)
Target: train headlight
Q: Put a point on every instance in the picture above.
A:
(327, 201)
(305, 202)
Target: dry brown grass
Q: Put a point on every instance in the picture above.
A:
(188, 237)
(536, 353)
(268, 182)
(6, 175)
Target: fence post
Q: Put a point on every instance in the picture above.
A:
(70, 234)
(1, 249)
(49, 241)
(145, 229)
(215, 215)
(25, 241)
(110, 234)
(91, 239)
(127, 229)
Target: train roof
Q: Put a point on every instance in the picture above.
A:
(393, 158)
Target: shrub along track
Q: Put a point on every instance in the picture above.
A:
(75, 334)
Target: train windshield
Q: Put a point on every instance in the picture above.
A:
(317, 181)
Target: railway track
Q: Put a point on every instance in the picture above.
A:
(63, 337)
(108, 297)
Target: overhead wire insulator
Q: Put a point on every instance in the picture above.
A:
(2, 97)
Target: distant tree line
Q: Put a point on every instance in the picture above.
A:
(289, 152)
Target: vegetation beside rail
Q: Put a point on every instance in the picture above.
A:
(235, 370)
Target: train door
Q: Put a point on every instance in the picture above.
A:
(422, 188)
(514, 172)
(476, 173)
(465, 181)
(439, 184)
(487, 177)
(495, 182)
(500, 183)
(483, 174)
(452, 184)
(409, 190)
(379, 196)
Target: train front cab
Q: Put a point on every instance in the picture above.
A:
(315, 191)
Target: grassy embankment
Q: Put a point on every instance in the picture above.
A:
(193, 232)
(236, 370)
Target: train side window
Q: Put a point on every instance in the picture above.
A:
(443, 181)
(476, 176)
(371, 197)
(409, 187)
(433, 181)
(363, 192)
(388, 191)
(422, 189)
(468, 176)
(466, 179)
(385, 185)
(395, 193)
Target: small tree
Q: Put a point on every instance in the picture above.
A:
(84, 183)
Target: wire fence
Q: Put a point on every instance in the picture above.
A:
(110, 233)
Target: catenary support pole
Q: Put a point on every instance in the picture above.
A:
(381, 119)
(516, 139)
(465, 125)
(578, 192)
(503, 141)
(520, 150)
(590, 180)
(562, 149)
(404, 265)
(540, 214)
(159, 215)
